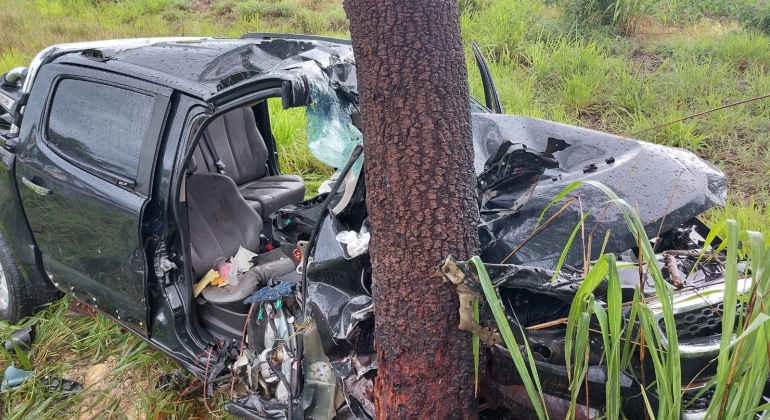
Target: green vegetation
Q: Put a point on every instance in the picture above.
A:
(118, 372)
(546, 65)
(620, 66)
(289, 130)
(743, 362)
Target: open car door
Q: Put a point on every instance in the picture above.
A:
(491, 98)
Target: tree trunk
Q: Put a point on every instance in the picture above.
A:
(420, 196)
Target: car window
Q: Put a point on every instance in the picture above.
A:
(478, 107)
(100, 124)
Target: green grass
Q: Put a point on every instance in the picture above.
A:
(68, 346)
(651, 62)
(626, 84)
(288, 127)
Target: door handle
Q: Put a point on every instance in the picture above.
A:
(34, 187)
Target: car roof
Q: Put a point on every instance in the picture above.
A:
(204, 67)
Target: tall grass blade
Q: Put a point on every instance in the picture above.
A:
(476, 349)
(612, 346)
(728, 322)
(527, 377)
(23, 358)
(567, 247)
(664, 351)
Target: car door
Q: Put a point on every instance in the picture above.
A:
(85, 165)
(491, 97)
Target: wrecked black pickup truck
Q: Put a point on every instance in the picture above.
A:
(141, 177)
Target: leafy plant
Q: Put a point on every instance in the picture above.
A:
(743, 362)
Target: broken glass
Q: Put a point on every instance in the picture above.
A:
(331, 135)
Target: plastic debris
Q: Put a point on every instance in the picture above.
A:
(219, 281)
(256, 407)
(13, 377)
(282, 391)
(226, 270)
(205, 281)
(271, 294)
(357, 242)
(243, 259)
(326, 186)
(267, 373)
(172, 381)
(22, 339)
(60, 385)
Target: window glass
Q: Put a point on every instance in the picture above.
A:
(100, 124)
(476, 107)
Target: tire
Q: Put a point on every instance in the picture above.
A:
(17, 297)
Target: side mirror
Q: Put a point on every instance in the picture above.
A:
(295, 93)
(14, 77)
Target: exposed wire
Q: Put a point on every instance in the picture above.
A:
(697, 114)
(205, 383)
(540, 228)
(243, 340)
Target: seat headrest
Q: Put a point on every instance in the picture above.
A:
(192, 166)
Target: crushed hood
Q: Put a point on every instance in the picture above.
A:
(659, 180)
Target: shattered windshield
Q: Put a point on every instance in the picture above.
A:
(331, 135)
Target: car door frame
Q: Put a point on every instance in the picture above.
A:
(491, 96)
(51, 75)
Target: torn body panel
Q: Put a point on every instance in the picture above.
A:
(661, 181)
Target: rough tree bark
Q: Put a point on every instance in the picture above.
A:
(420, 181)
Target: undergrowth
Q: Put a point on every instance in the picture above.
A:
(117, 370)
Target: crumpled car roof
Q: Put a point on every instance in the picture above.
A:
(203, 65)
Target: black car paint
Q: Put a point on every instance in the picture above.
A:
(159, 309)
(171, 328)
(669, 187)
(165, 320)
(14, 225)
(87, 206)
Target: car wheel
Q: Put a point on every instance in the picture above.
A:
(17, 297)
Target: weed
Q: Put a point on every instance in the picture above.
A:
(67, 346)
(742, 362)
(288, 128)
(624, 15)
(684, 134)
(249, 9)
(632, 93)
(472, 5)
(759, 18)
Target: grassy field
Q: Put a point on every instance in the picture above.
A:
(642, 65)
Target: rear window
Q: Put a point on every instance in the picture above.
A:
(100, 124)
